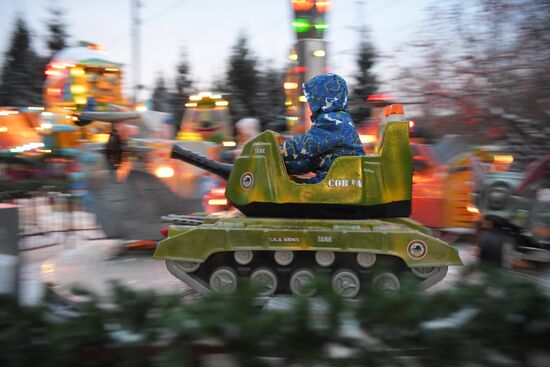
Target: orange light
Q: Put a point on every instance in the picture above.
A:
(290, 85)
(218, 190)
(55, 92)
(367, 139)
(302, 5)
(503, 158)
(50, 72)
(396, 109)
(164, 172)
(217, 202)
(379, 97)
(322, 5)
(472, 209)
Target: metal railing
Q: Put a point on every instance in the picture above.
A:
(49, 218)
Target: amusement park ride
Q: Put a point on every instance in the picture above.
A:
(351, 226)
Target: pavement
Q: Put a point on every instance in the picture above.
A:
(91, 264)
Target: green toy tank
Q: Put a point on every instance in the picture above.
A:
(285, 231)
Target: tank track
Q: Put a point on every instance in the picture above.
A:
(284, 272)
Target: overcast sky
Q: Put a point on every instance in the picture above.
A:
(208, 29)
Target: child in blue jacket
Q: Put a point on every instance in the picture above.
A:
(332, 133)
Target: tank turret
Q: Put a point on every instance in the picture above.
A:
(373, 186)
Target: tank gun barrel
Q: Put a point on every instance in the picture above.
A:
(220, 169)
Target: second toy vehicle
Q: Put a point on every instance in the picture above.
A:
(351, 227)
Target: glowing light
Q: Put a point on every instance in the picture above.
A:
(111, 69)
(321, 26)
(205, 94)
(472, 209)
(319, 53)
(293, 56)
(322, 6)
(222, 103)
(302, 5)
(46, 114)
(503, 158)
(195, 98)
(56, 92)
(58, 66)
(292, 118)
(300, 69)
(140, 107)
(8, 112)
(301, 25)
(216, 96)
(290, 85)
(36, 108)
(217, 202)
(164, 172)
(81, 100)
(50, 72)
(229, 144)
(302, 99)
(190, 104)
(45, 126)
(3, 129)
(47, 268)
(77, 89)
(218, 190)
(77, 72)
(288, 103)
(44, 150)
(379, 97)
(411, 124)
(367, 139)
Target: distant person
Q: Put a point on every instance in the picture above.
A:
(332, 133)
(246, 129)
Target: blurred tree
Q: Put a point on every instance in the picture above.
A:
(271, 99)
(182, 89)
(485, 64)
(56, 39)
(161, 97)
(365, 81)
(21, 77)
(243, 81)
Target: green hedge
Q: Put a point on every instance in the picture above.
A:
(489, 318)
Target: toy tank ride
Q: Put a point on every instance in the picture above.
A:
(291, 231)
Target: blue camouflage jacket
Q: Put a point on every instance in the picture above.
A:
(332, 133)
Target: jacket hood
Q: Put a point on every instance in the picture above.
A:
(326, 93)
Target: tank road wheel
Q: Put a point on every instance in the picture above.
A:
(299, 279)
(243, 257)
(366, 259)
(283, 258)
(427, 272)
(267, 279)
(223, 280)
(386, 281)
(187, 266)
(346, 284)
(324, 258)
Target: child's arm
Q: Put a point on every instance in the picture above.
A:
(312, 143)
